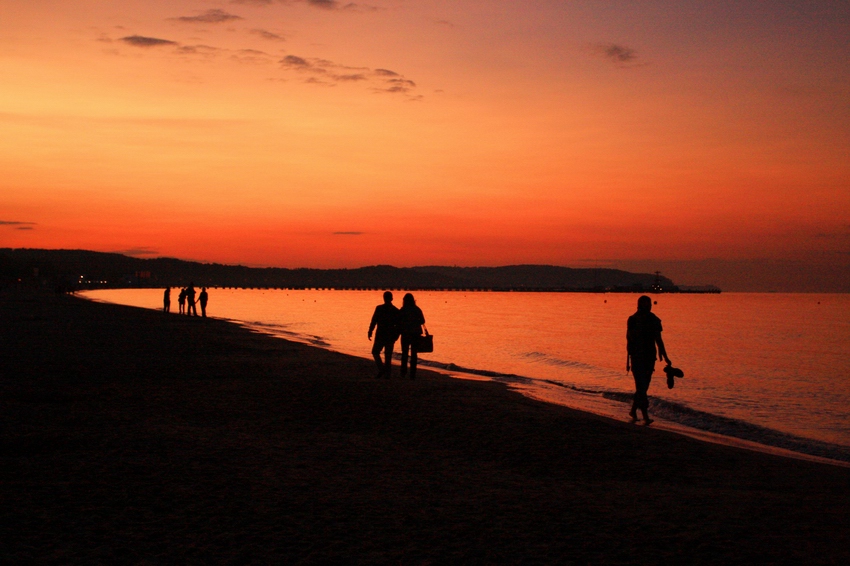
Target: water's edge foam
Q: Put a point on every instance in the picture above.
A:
(691, 422)
(717, 427)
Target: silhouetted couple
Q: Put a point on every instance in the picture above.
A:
(643, 336)
(186, 300)
(388, 323)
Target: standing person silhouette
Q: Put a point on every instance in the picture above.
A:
(181, 301)
(166, 300)
(191, 309)
(385, 319)
(203, 298)
(411, 320)
(643, 334)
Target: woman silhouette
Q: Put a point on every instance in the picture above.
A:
(411, 320)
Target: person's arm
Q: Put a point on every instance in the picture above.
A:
(662, 351)
(373, 323)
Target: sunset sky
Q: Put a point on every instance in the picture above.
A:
(707, 138)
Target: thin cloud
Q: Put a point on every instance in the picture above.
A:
(348, 233)
(265, 34)
(209, 17)
(620, 55)
(142, 41)
(140, 251)
(348, 7)
(295, 61)
(198, 50)
(324, 4)
(17, 225)
(328, 5)
(252, 56)
(328, 73)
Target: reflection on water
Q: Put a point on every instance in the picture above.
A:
(776, 363)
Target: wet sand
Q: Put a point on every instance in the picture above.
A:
(133, 436)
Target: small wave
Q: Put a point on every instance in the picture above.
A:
(559, 362)
(735, 428)
(680, 414)
(281, 331)
(494, 375)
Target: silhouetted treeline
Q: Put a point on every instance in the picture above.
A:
(79, 269)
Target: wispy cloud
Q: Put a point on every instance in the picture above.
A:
(328, 73)
(329, 5)
(198, 50)
(252, 56)
(209, 17)
(312, 70)
(17, 225)
(344, 6)
(620, 55)
(265, 34)
(348, 233)
(142, 41)
(140, 251)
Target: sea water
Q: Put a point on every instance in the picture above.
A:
(771, 369)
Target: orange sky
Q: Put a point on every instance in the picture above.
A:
(331, 134)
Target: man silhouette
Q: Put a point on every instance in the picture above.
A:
(203, 298)
(191, 309)
(643, 334)
(385, 319)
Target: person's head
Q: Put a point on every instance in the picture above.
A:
(388, 297)
(408, 300)
(644, 303)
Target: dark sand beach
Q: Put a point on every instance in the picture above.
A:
(132, 436)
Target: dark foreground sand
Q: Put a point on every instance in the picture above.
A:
(132, 436)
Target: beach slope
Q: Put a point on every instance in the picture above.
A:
(133, 436)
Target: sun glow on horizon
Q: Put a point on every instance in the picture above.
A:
(282, 134)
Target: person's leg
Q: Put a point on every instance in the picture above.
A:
(377, 346)
(388, 362)
(414, 357)
(405, 345)
(643, 377)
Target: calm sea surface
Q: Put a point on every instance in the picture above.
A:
(773, 369)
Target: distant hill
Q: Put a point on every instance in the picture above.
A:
(72, 269)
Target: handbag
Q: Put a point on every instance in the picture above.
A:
(425, 343)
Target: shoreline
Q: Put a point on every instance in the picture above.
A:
(132, 436)
(600, 408)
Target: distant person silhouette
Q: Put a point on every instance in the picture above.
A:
(191, 309)
(411, 320)
(166, 300)
(203, 298)
(643, 334)
(385, 319)
(181, 301)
